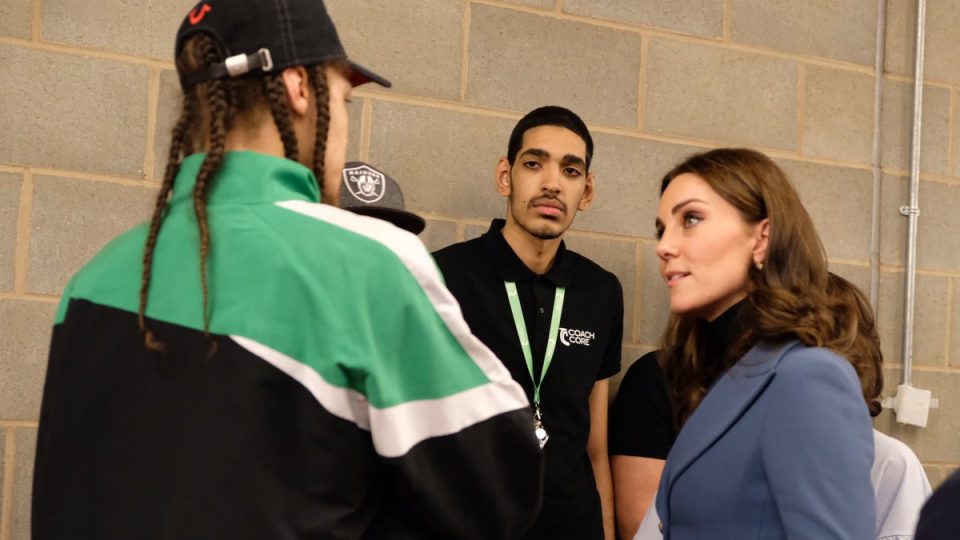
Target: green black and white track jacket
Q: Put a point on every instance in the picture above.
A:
(347, 397)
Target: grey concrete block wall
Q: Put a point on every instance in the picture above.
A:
(943, 18)
(10, 186)
(439, 234)
(72, 220)
(652, 298)
(23, 356)
(627, 192)
(513, 65)
(542, 4)
(134, 28)
(418, 44)
(931, 318)
(954, 357)
(838, 115)
(25, 440)
(936, 248)
(856, 274)
(169, 99)
(897, 111)
(445, 159)
(955, 151)
(16, 19)
(89, 97)
(616, 256)
(700, 91)
(56, 96)
(700, 17)
(3, 461)
(839, 200)
(844, 31)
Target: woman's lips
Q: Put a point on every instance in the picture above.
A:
(673, 278)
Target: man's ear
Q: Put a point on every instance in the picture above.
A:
(503, 177)
(589, 190)
(762, 231)
(297, 86)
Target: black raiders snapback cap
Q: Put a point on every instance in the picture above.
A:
(366, 190)
(266, 36)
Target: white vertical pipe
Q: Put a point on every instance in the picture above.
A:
(912, 212)
(878, 67)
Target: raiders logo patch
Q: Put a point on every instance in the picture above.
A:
(365, 184)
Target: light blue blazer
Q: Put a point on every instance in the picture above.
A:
(780, 447)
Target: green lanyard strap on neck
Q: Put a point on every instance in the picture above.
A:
(521, 325)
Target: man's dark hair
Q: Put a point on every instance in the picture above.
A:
(551, 115)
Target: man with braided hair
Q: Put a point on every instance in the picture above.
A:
(252, 363)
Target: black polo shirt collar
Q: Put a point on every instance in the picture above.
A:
(513, 269)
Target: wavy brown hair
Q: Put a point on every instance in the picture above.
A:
(209, 110)
(786, 300)
(857, 338)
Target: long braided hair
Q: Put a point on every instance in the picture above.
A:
(209, 110)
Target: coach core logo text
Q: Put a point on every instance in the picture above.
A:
(572, 336)
(365, 184)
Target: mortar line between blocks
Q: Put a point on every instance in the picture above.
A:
(642, 82)
(89, 53)
(9, 461)
(637, 330)
(631, 132)
(465, 50)
(949, 322)
(727, 19)
(22, 250)
(12, 424)
(36, 29)
(952, 135)
(33, 297)
(801, 103)
(77, 175)
(153, 100)
(366, 129)
(687, 38)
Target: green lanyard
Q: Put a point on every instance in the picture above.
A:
(525, 340)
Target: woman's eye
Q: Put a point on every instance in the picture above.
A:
(689, 220)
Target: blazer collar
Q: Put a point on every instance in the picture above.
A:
(720, 409)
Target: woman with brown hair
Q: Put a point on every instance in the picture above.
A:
(899, 481)
(776, 441)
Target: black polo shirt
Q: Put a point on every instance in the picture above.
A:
(641, 417)
(588, 350)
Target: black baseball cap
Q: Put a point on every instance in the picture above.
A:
(366, 190)
(267, 35)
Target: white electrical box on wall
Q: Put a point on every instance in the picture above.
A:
(911, 405)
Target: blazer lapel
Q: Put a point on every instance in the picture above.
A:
(720, 409)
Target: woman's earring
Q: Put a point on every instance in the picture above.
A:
(759, 266)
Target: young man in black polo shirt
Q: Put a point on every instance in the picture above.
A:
(518, 283)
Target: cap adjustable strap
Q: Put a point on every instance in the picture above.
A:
(234, 66)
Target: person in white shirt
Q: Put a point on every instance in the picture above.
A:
(901, 487)
(900, 484)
